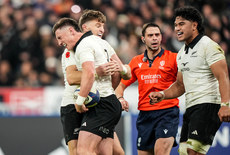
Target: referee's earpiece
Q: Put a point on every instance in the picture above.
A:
(143, 40)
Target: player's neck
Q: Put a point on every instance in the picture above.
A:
(190, 39)
(152, 53)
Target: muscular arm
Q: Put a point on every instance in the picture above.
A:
(176, 89)
(73, 75)
(220, 71)
(116, 78)
(120, 90)
(86, 84)
(119, 93)
(87, 78)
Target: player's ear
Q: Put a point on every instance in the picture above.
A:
(143, 39)
(194, 26)
(84, 27)
(71, 29)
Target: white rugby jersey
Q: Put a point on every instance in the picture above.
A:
(200, 84)
(93, 48)
(68, 59)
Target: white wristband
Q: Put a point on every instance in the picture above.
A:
(80, 100)
(162, 94)
(224, 104)
(124, 70)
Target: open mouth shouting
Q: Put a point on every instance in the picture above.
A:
(179, 34)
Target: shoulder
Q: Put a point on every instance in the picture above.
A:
(170, 57)
(170, 53)
(137, 59)
(208, 44)
(84, 44)
(205, 40)
(87, 40)
(104, 42)
(93, 40)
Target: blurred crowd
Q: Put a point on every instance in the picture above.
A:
(30, 56)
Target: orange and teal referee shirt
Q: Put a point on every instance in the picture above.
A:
(153, 75)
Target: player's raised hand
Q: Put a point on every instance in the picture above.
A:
(156, 97)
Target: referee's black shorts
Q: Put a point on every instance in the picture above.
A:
(201, 122)
(102, 119)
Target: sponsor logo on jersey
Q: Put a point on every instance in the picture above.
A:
(83, 124)
(194, 52)
(185, 69)
(162, 63)
(140, 64)
(192, 55)
(149, 79)
(104, 130)
(165, 131)
(195, 132)
(184, 64)
(76, 130)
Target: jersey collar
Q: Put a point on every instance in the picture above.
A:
(151, 60)
(193, 43)
(89, 33)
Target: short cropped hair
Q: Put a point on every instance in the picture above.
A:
(145, 26)
(192, 14)
(65, 22)
(89, 15)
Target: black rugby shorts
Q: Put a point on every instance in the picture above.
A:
(71, 122)
(201, 122)
(102, 119)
